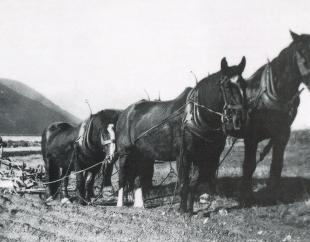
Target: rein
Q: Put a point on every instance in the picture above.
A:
(176, 113)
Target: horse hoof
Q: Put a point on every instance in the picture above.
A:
(65, 201)
(49, 199)
(182, 211)
(204, 198)
(138, 205)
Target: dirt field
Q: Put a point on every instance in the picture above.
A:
(28, 218)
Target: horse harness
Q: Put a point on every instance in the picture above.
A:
(192, 118)
(83, 141)
(269, 98)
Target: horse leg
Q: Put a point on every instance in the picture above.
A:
(52, 173)
(208, 167)
(193, 184)
(211, 165)
(66, 182)
(89, 184)
(138, 196)
(183, 176)
(65, 176)
(122, 161)
(147, 176)
(279, 143)
(107, 174)
(80, 185)
(135, 177)
(249, 166)
(106, 184)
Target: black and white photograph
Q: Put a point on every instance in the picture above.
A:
(143, 120)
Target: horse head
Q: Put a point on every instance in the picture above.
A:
(301, 45)
(233, 89)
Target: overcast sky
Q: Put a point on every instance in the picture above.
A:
(110, 51)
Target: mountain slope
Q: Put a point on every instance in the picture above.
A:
(34, 95)
(24, 111)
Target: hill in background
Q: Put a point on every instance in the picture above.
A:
(24, 111)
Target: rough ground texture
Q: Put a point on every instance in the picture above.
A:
(28, 218)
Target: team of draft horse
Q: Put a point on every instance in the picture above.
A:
(191, 129)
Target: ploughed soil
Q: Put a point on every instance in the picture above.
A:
(29, 218)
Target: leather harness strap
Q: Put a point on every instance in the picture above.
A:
(268, 95)
(192, 118)
(84, 137)
(83, 140)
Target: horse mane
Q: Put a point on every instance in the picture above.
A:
(60, 125)
(108, 115)
(181, 96)
(207, 83)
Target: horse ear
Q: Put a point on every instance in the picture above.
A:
(224, 65)
(241, 66)
(294, 35)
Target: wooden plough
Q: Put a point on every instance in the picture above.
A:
(22, 179)
(15, 178)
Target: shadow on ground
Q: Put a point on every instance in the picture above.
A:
(292, 189)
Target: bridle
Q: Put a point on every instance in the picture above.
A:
(230, 108)
(304, 71)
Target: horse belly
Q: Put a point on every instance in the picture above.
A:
(162, 144)
(60, 155)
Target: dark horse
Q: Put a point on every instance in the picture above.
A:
(150, 130)
(273, 91)
(66, 147)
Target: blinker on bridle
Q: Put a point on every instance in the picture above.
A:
(304, 71)
(229, 107)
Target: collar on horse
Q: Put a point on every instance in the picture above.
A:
(84, 137)
(84, 142)
(269, 97)
(193, 120)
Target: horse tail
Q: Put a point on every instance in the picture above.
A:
(52, 171)
(43, 144)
